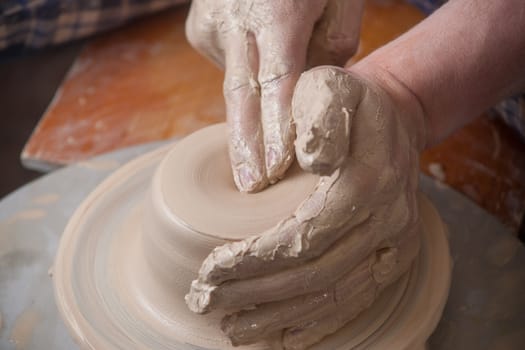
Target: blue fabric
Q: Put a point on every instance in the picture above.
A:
(427, 6)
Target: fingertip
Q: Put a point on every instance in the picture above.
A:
(246, 151)
(277, 163)
(249, 179)
(199, 299)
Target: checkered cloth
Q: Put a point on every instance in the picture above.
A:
(38, 23)
(427, 6)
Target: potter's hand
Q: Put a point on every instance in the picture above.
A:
(354, 235)
(264, 46)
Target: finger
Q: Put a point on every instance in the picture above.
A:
(336, 35)
(202, 33)
(349, 296)
(250, 326)
(322, 220)
(242, 97)
(306, 278)
(334, 208)
(313, 331)
(323, 106)
(282, 60)
(313, 275)
(309, 333)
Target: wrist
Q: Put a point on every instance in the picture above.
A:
(411, 110)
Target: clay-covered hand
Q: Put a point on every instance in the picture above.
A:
(357, 233)
(264, 46)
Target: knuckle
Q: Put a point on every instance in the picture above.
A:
(231, 88)
(345, 44)
(200, 29)
(196, 35)
(269, 79)
(341, 48)
(275, 70)
(235, 85)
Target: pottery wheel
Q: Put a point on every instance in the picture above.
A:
(111, 297)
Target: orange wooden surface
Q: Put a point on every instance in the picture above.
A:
(144, 83)
(138, 84)
(485, 161)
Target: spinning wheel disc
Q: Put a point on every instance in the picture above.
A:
(110, 299)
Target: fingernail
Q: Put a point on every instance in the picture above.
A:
(272, 158)
(246, 179)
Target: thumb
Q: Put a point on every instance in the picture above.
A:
(324, 103)
(335, 38)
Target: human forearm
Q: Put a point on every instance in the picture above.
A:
(461, 60)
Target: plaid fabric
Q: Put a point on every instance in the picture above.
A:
(427, 6)
(37, 23)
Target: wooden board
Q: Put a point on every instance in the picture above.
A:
(144, 82)
(138, 84)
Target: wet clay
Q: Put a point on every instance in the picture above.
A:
(359, 226)
(197, 184)
(22, 331)
(130, 252)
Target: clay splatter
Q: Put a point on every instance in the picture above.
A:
(45, 199)
(437, 171)
(22, 331)
(100, 164)
(503, 251)
(30, 214)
